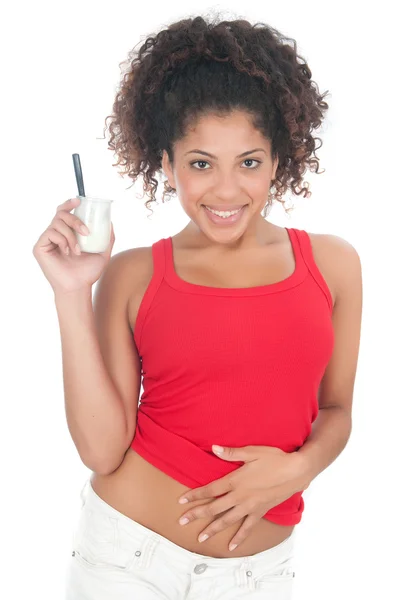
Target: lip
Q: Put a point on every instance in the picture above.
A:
(224, 208)
(222, 222)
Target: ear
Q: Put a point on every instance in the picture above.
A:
(275, 167)
(167, 169)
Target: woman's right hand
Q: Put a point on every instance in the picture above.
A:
(65, 268)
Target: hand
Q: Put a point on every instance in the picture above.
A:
(268, 477)
(66, 268)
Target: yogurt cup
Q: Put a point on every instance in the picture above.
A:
(96, 215)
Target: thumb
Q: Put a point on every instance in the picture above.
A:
(112, 240)
(108, 251)
(226, 452)
(244, 454)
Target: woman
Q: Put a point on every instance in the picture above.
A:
(245, 333)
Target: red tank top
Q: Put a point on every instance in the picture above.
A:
(230, 366)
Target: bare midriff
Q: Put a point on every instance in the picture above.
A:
(145, 494)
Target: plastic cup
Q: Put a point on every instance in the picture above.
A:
(96, 215)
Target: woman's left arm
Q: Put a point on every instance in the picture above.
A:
(332, 428)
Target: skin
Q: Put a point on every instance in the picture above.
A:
(234, 256)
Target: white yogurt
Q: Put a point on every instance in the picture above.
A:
(96, 215)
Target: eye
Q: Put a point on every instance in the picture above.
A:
(246, 160)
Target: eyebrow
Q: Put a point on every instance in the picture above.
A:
(212, 155)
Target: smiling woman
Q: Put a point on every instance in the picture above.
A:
(198, 68)
(241, 332)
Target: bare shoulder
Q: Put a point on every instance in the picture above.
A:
(332, 247)
(135, 268)
(124, 275)
(133, 262)
(125, 270)
(337, 259)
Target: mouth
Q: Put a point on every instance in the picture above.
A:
(230, 217)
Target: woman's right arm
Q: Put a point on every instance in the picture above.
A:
(101, 366)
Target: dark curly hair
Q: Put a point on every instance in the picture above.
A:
(196, 67)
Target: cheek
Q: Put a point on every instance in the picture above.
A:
(191, 194)
(259, 186)
(191, 205)
(186, 185)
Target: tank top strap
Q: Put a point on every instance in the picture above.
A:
(300, 247)
(306, 253)
(158, 271)
(294, 235)
(159, 260)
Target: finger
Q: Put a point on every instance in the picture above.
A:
(232, 516)
(108, 251)
(244, 531)
(51, 237)
(62, 227)
(112, 238)
(209, 510)
(213, 489)
(72, 221)
(69, 204)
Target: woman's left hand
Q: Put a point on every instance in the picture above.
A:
(268, 477)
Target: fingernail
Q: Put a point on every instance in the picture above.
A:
(84, 229)
(183, 521)
(218, 449)
(233, 546)
(183, 500)
(203, 538)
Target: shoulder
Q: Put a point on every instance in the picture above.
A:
(332, 246)
(125, 271)
(132, 261)
(338, 258)
(132, 272)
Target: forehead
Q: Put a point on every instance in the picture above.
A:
(215, 132)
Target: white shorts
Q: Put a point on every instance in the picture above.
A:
(116, 558)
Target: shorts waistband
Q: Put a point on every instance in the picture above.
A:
(149, 540)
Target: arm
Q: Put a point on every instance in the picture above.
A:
(332, 428)
(101, 367)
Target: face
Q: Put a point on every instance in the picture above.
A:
(225, 180)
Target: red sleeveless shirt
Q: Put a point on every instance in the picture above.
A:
(230, 366)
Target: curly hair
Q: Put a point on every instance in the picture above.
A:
(196, 67)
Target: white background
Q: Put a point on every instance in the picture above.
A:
(60, 69)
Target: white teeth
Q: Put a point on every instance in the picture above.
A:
(224, 214)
